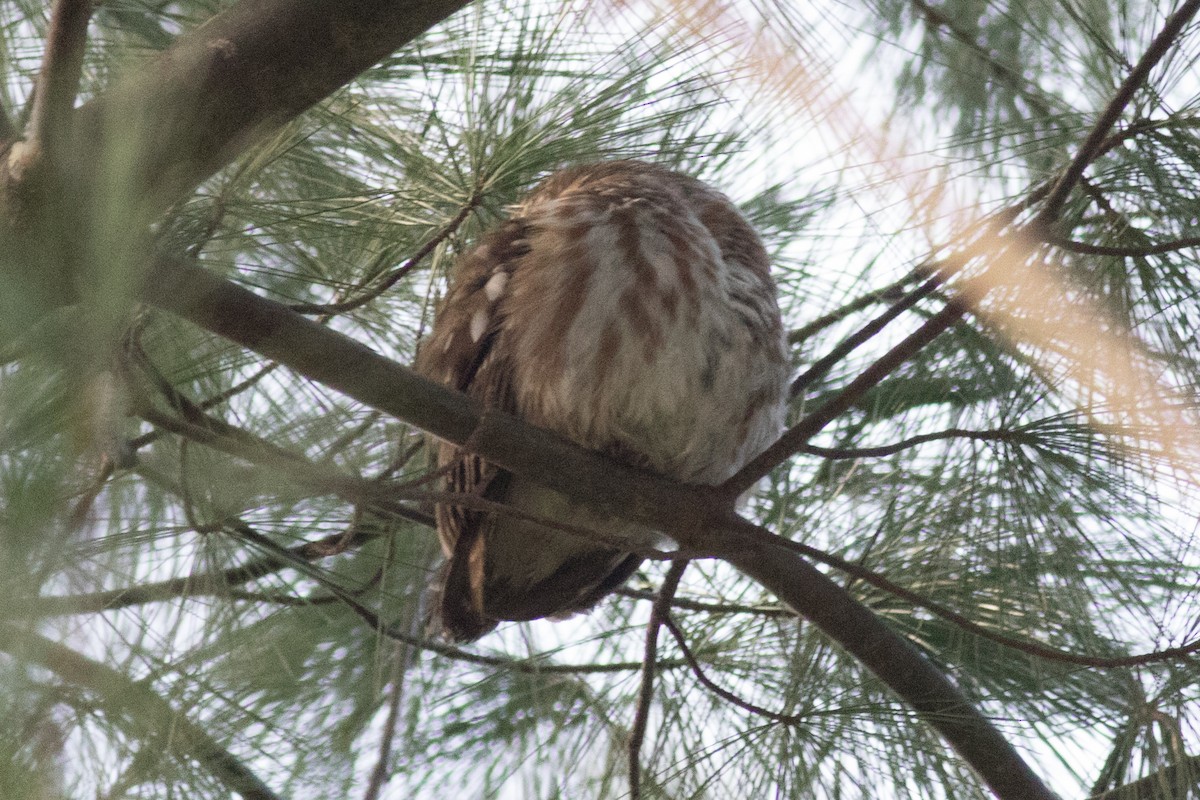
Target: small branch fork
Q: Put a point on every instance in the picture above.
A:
(725, 694)
(659, 614)
(1095, 143)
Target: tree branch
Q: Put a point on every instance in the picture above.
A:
(685, 604)
(839, 453)
(892, 292)
(696, 516)
(222, 86)
(139, 703)
(1176, 781)
(374, 494)
(1124, 252)
(659, 613)
(534, 665)
(396, 275)
(725, 694)
(798, 435)
(1098, 137)
(58, 81)
(330, 358)
(938, 701)
(821, 367)
(138, 442)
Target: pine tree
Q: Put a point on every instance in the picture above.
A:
(225, 227)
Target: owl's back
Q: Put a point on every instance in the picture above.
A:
(626, 307)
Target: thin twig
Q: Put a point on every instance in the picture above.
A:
(138, 442)
(220, 435)
(799, 434)
(725, 694)
(237, 442)
(185, 496)
(249, 383)
(401, 459)
(687, 604)
(1124, 252)
(533, 665)
(841, 453)
(87, 498)
(373, 494)
(219, 209)
(198, 585)
(1177, 780)
(864, 334)
(402, 656)
(637, 732)
(350, 436)
(279, 599)
(1116, 106)
(62, 67)
(888, 293)
(397, 274)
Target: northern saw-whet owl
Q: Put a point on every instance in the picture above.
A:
(629, 308)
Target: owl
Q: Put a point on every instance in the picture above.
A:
(629, 308)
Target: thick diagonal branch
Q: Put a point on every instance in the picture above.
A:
(696, 516)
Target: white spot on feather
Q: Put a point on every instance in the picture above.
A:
(478, 324)
(495, 286)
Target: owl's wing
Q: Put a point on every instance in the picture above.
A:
(500, 566)
(461, 352)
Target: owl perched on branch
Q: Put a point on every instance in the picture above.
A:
(629, 308)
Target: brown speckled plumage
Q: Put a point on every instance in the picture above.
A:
(629, 308)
